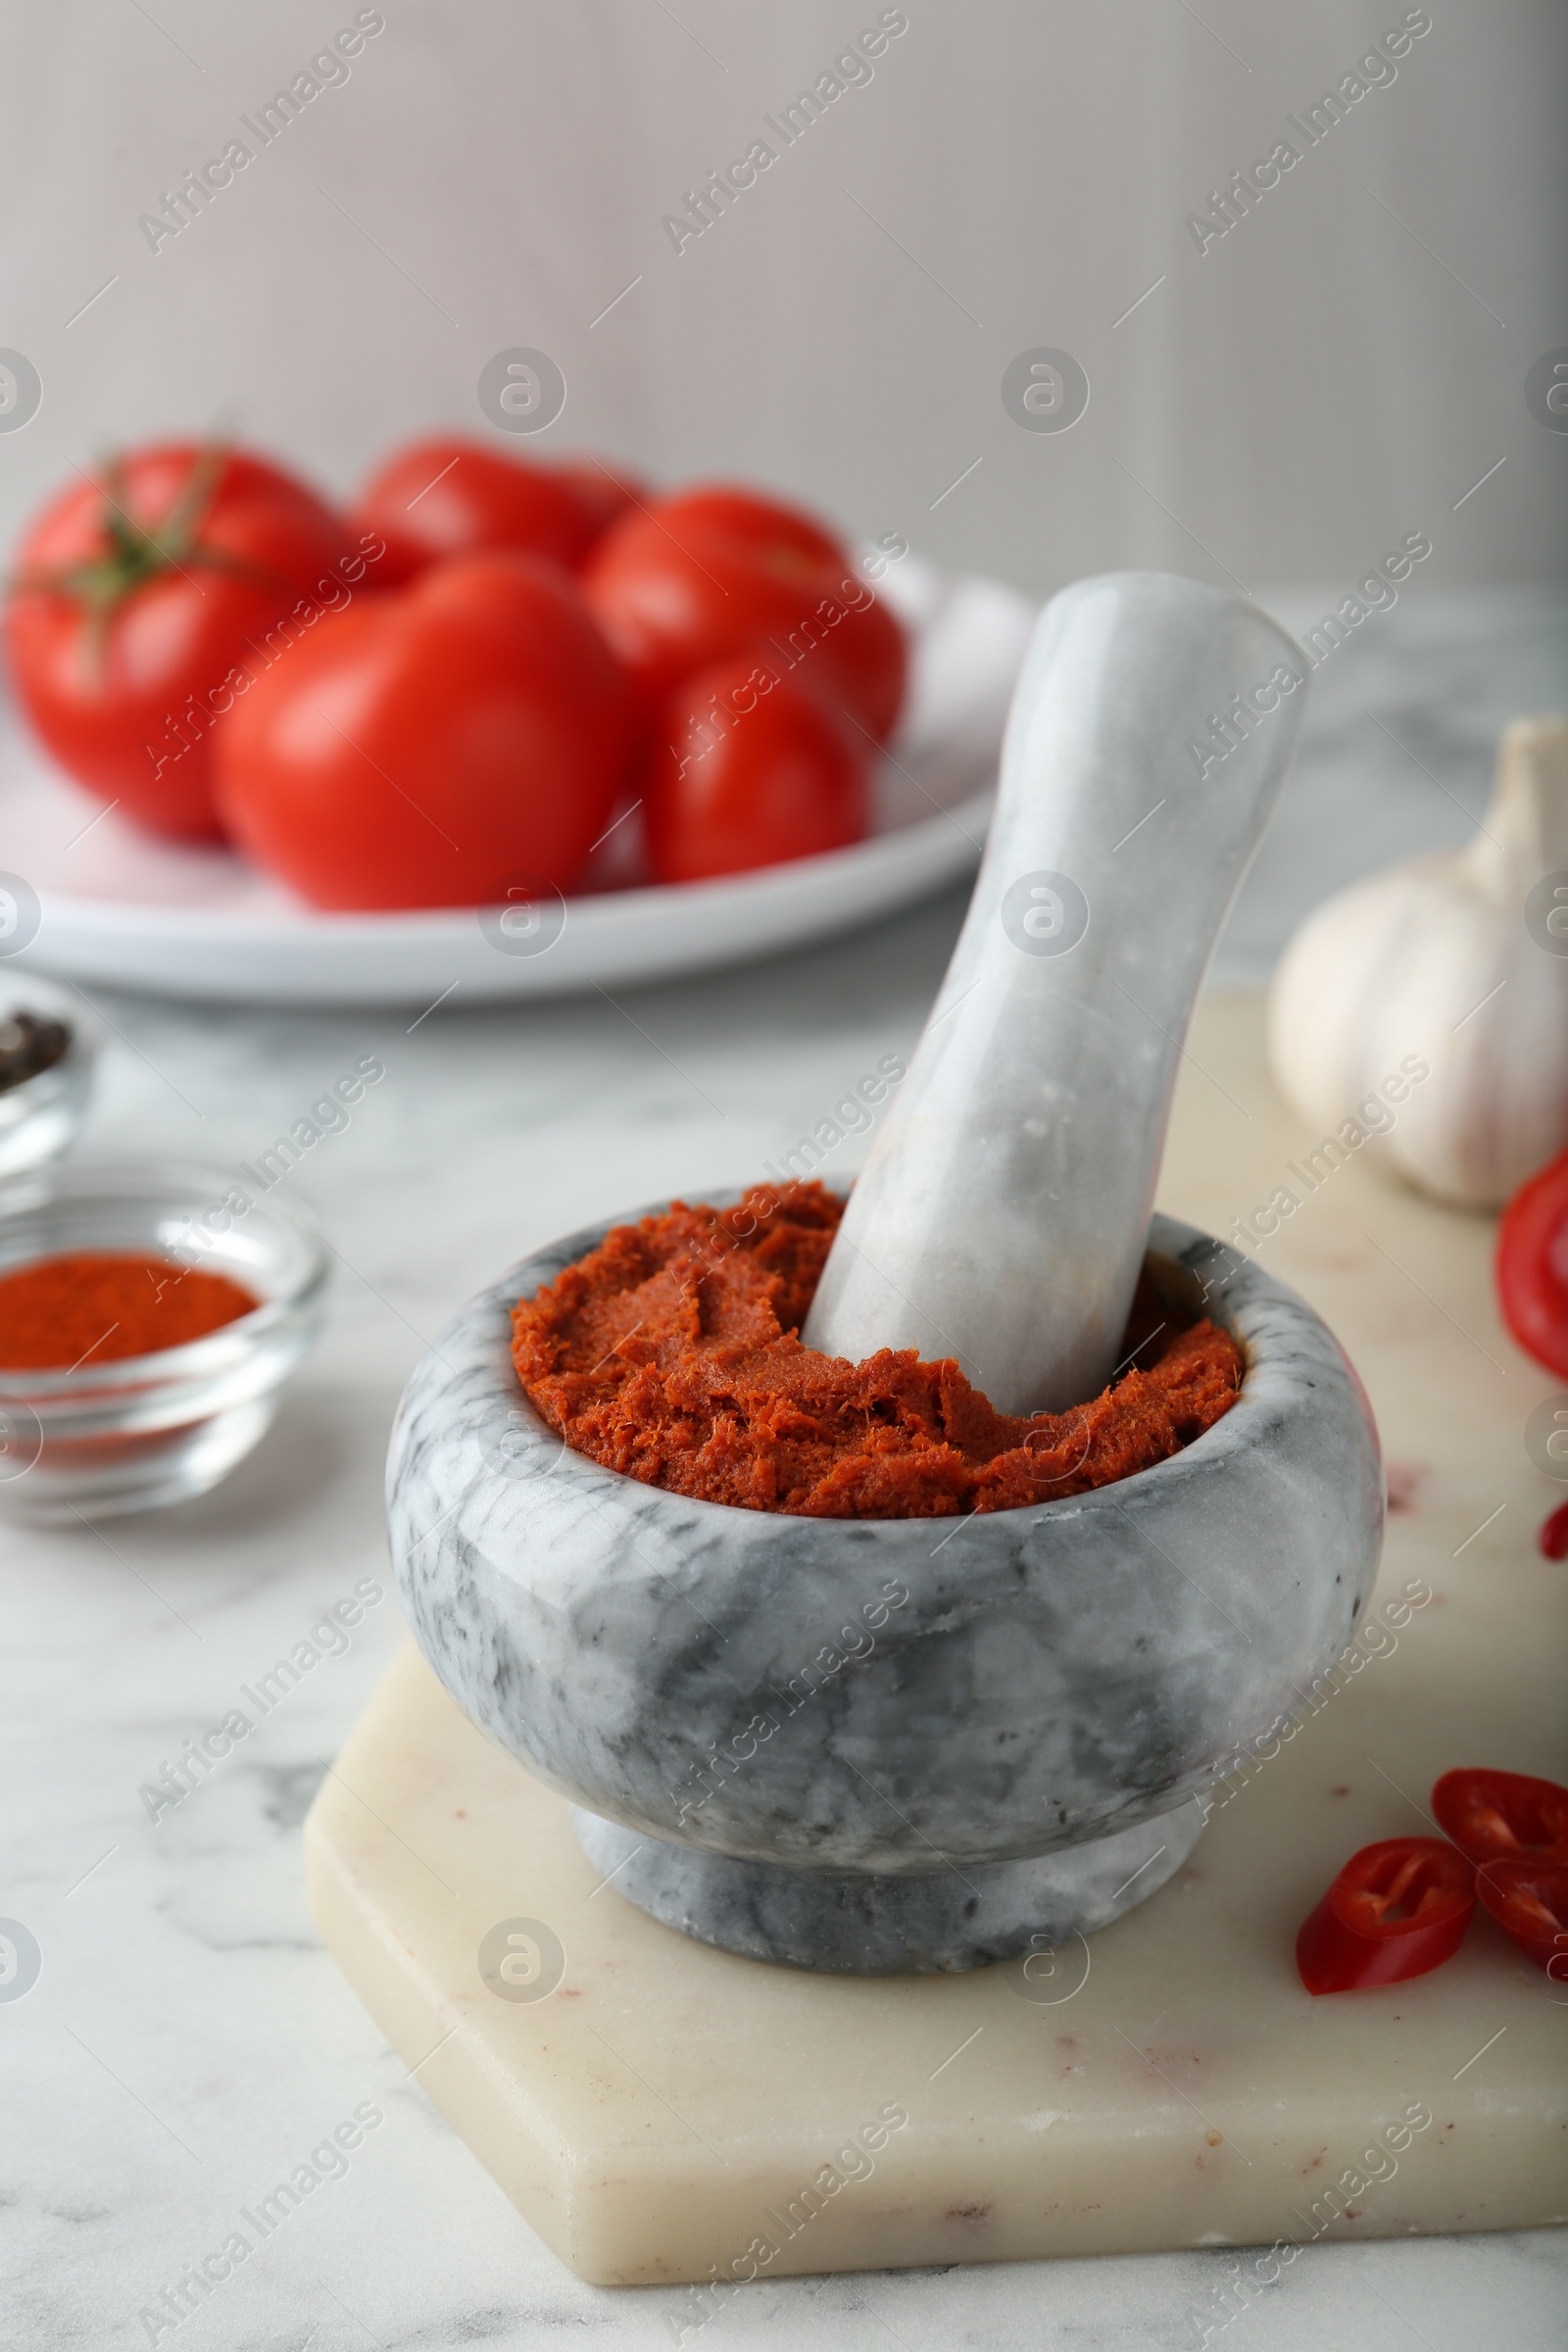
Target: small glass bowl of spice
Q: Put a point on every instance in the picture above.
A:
(149, 1319)
(48, 1045)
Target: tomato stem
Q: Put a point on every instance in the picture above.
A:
(136, 553)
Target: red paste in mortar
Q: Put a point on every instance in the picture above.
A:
(671, 1353)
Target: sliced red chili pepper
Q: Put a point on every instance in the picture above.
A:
(1529, 1900)
(1532, 1265)
(1397, 1909)
(1493, 1816)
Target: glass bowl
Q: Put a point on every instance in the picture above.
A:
(147, 1430)
(39, 1117)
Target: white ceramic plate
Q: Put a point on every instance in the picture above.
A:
(120, 908)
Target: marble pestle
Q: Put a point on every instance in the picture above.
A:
(1002, 1213)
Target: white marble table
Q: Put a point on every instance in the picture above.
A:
(188, 2044)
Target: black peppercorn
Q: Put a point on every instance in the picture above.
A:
(28, 1044)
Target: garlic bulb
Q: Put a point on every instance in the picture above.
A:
(1458, 962)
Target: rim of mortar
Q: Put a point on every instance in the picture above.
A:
(1176, 1254)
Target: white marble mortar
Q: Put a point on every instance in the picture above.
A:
(1054, 1677)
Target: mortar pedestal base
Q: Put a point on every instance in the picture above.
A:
(862, 1923)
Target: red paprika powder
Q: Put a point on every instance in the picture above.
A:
(94, 1306)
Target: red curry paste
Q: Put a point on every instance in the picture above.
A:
(671, 1353)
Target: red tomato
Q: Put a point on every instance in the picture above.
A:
(431, 747)
(605, 490)
(1493, 1816)
(1529, 1900)
(748, 771)
(712, 571)
(450, 497)
(1554, 1533)
(135, 597)
(774, 529)
(1533, 1266)
(1397, 1909)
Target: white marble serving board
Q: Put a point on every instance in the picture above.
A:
(663, 2110)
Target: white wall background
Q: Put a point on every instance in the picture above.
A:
(1323, 380)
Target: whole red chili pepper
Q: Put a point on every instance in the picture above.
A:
(1532, 1265)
